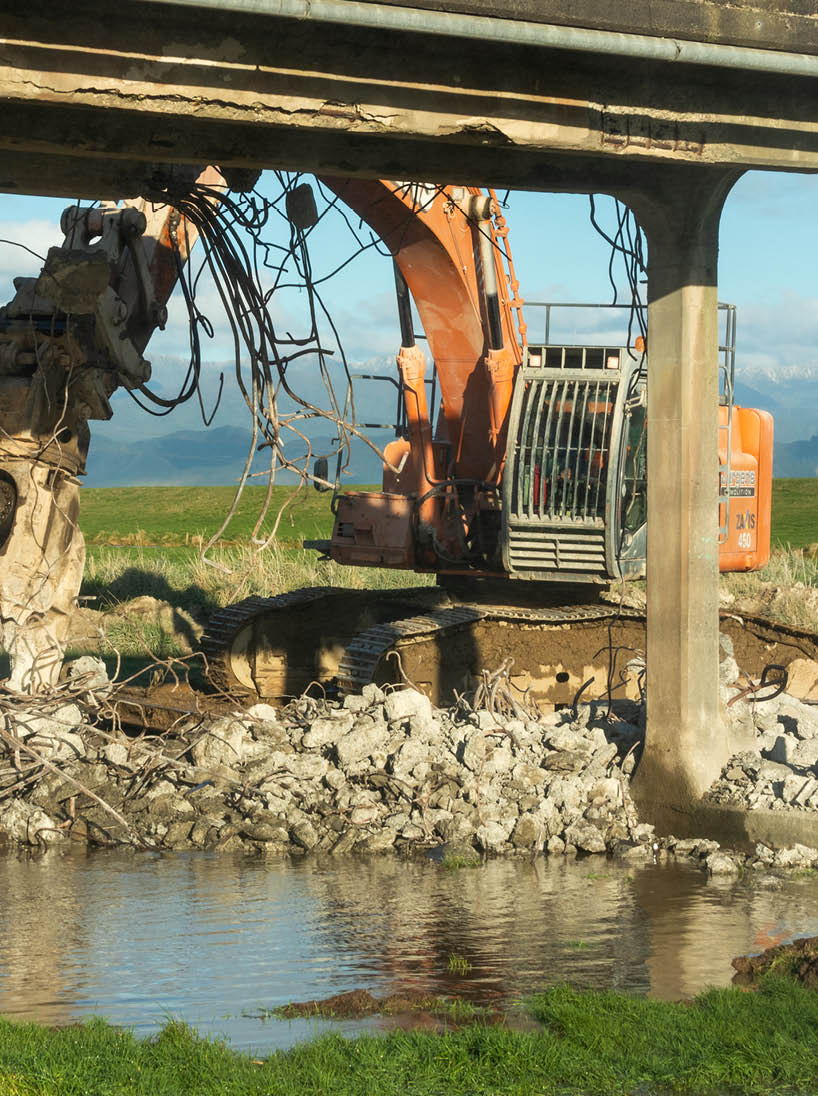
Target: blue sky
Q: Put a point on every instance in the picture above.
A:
(769, 244)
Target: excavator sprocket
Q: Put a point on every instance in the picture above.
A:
(274, 648)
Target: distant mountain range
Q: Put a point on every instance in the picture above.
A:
(793, 402)
(120, 457)
(790, 394)
(217, 456)
(797, 458)
(780, 374)
(208, 456)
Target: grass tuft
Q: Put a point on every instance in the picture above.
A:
(459, 964)
(179, 579)
(455, 861)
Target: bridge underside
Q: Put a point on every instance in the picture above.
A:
(93, 103)
(89, 99)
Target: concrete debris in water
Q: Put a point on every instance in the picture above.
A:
(380, 771)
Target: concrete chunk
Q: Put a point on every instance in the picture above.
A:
(405, 704)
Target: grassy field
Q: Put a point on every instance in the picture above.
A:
(145, 541)
(795, 512)
(600, 1042)
(180, 577)
(171, 516)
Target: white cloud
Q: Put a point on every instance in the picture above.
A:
(779, 336)
(38, 236)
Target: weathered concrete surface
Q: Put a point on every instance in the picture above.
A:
(763, 24)
(738, 828)
(168, 84)
(38, 589)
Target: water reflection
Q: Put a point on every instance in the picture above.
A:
(139, 937)
(518, 925)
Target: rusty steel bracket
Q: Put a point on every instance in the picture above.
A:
(778, 685)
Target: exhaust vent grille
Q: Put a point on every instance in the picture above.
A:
(557, 550)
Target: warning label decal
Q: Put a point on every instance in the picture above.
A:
(742, 483)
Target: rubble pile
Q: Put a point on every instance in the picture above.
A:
(378, 771)
(780, 770)
(763, 861)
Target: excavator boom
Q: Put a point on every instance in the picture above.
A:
(528, 496)
(445, 244)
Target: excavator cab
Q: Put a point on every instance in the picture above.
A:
(571, 503)
(574, 503)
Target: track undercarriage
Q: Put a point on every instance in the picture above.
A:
(275, 648)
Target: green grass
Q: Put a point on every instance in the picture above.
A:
(795, 512)
(458, 964)
(136, 546)
(455, 861)
(183, 579)
(166, 515)
(589, 1042)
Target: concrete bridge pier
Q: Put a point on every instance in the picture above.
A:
(686, 743)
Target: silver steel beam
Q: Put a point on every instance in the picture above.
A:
(516, 32)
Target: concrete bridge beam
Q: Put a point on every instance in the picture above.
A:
(686, 743)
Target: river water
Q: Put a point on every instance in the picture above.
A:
(138, 938)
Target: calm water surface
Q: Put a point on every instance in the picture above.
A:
(138, 938)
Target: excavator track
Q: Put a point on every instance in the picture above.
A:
(274, 648)
(438, 651)
(218, 641)
(555, 650)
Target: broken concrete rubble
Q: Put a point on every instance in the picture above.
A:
(380, 771)
(780, 769)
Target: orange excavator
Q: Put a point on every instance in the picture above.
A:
(526, 497)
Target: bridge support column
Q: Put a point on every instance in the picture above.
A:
(686, 744)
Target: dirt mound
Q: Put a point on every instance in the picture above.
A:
(353, 1005)
(358, 1003)
(798, 960)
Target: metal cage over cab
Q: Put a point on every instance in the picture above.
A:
(561, 506)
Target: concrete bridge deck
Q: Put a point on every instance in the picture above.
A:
(513, 94)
